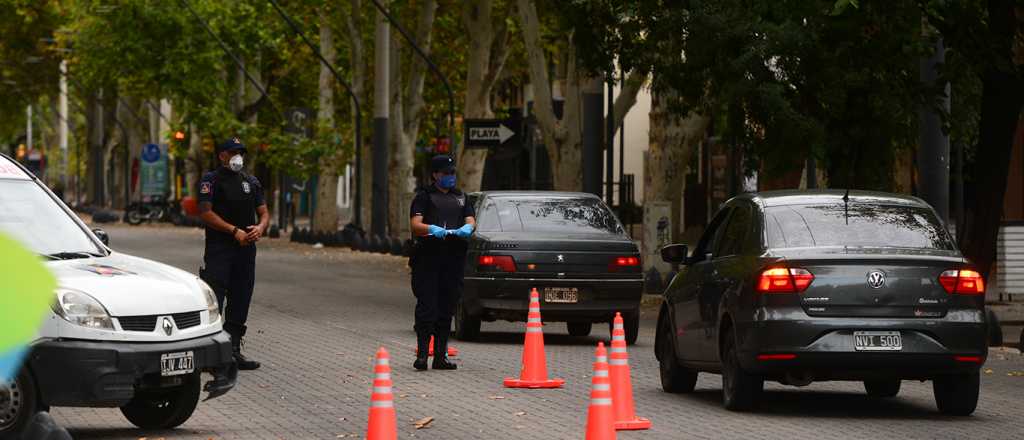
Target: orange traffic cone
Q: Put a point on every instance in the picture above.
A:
(622, 385)
(383, 424)
(534, 372)
(452, 351)
(600, 414)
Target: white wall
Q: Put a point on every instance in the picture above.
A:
(637, 125)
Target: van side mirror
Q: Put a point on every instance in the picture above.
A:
(102, 235)
(674, 253)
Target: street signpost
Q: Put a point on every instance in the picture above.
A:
(153, 170)
(489, 133)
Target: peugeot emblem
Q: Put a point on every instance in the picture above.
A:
(876, 279)
(168, 326)
(561, 258)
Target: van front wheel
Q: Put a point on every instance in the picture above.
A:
(164, 408)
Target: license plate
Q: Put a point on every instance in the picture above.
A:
(174, 364)
(561, 295)
(877, 341)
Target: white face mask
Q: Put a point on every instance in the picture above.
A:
(236, 163)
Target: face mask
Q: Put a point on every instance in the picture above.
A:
(236, 163)
(447, 181)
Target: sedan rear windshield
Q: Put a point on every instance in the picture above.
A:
(560, 215)
(855, 225)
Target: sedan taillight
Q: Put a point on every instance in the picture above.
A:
(496, 263)
(784, 280)
(962, 282)
(624, 264)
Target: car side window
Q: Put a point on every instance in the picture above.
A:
(487, 220)
(708, 240)
(734, 236)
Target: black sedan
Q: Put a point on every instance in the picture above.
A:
(569, 246)
(797, 287)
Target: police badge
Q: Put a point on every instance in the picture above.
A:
(245, 187)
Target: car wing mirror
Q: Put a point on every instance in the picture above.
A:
(674, 253)
(102, 235)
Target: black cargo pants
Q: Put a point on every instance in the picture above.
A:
(230, 270)
(437, 284)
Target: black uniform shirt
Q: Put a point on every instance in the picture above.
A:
(234, 196)
(447, 210)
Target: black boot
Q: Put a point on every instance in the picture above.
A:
(441, 361)
(243, 363)
(422, 352)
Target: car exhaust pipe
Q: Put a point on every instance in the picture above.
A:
(798, 379)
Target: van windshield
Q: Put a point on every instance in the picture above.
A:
(30, 216)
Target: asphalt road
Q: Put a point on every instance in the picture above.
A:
(319, 315)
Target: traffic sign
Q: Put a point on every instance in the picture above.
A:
(487, 133)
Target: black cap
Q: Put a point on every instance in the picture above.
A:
(232, 144)
(442, 163)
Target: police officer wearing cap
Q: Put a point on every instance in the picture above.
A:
(442, 221)
(232, 206)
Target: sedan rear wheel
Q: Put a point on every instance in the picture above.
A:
(675, 378)
(957, 395)
(740, 390)
(631, 323)
(882, 387)
(579, 328)
(467, 328)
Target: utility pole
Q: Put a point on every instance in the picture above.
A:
(593, 101)
(609, 143)
(64, 128)
(381, 95)
(933, 151)
(28, 127)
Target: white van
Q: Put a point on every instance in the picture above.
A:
(123, 332)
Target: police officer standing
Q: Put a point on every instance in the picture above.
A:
(232, 206)
(442, 219)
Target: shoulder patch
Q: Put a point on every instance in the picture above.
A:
(205, 187)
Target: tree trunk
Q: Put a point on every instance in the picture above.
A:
(96, 133)
(672, 141)
(325, 218)
(486, 59)
(354, 24)
(194, 161)
(1002, 96)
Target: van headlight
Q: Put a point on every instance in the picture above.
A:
(211, 302)
(79, 308)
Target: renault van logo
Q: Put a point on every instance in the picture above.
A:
(876, 279)
(168, 326)
(561, 258)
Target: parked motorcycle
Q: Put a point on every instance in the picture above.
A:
(152, 209)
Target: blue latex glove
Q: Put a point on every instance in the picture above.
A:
(465, 231)
(436, 231)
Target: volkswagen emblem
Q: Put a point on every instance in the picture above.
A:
(561, 258)
(168, 326)
(876, 279)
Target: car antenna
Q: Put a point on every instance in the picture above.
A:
(846, 206)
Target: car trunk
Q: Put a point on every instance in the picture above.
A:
(556, 256)
(843, 284)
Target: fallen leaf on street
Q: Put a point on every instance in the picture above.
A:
(1015, 374)
(988, 371)
(520, 413)
(423, 423)
(497, 397)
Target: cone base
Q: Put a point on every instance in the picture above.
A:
(534, 384)
(637, 424)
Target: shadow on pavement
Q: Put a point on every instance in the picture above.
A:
(103, 433)
(830, 404)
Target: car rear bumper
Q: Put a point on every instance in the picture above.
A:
(824, 347)
(509, 298)
(107, 374)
